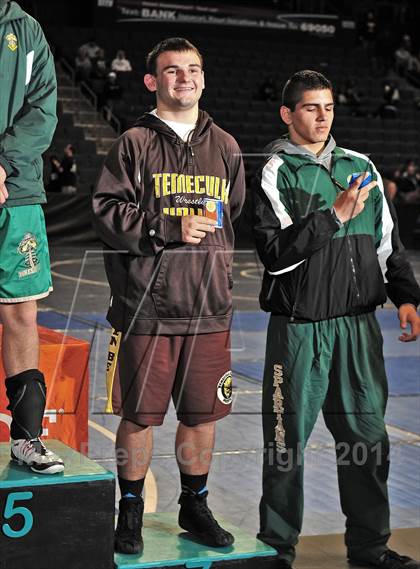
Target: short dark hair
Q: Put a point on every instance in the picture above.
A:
(301, 81)
(170, 44)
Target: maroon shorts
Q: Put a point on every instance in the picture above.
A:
(144, 372)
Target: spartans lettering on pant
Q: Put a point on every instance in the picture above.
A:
(278, 407)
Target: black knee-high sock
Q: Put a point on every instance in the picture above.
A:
(26, 392)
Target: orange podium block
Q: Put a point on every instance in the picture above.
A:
(64, 361)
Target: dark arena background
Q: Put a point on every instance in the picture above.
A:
(370, 50)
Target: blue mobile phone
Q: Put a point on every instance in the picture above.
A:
(365, 181)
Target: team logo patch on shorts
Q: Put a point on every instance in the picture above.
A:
(27, 247)
(12, 42)
(224, 388)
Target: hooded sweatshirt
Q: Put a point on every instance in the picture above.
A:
(28, 104)
(324, 158)
(315, 269)
(150, 179)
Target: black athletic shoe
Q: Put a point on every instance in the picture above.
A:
(130, 520)
(390, 560)
(196, 517)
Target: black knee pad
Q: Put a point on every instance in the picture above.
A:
(26, 392)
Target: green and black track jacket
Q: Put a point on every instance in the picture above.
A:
(315, 269)
(28, 98)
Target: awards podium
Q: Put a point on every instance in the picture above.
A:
(57, 521)
(166, 546)
(66, 520)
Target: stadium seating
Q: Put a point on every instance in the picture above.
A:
(235, 68)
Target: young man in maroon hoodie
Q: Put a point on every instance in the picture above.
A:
(169, 265)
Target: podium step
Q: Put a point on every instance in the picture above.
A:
(63, 520)
(167, 545)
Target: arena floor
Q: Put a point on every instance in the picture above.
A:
(78, 306)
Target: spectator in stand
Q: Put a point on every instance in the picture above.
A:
(121, 63)
(368, 28)
(391, 98)
(413, 197)
(406, 41)
(83, 66)
(368, 35)
(390, 178)
(90, 49)
(403, 56)
(391, 188)
(68, 171)
(100, 65)
(349, 96)
(54, 181)
(391, 93)
(112, 92)
(409, 182)
(413, 69)
(414, 63)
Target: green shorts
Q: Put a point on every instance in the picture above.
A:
(24, 258)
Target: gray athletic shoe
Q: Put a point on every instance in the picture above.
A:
(34, 453)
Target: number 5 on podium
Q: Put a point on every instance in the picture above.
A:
(11, 510)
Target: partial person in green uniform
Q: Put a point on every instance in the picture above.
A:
(332, 254)
(27, 124)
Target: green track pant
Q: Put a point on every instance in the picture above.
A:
(335, 365)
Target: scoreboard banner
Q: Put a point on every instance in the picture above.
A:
(131, 11)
